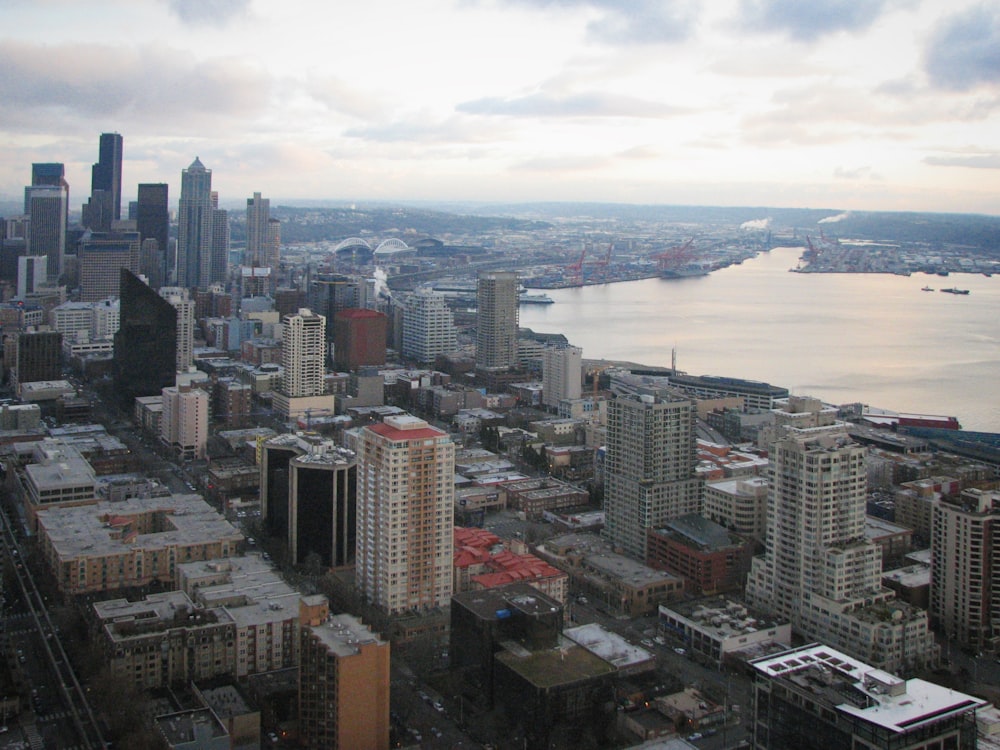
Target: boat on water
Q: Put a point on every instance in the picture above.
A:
(955, 290)
(534, 299)
(684, 272)
(927, 289)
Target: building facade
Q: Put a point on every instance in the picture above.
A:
(819, 570)
(145, 351)
(818, 697)
(428, 327)
(496, 320)
(194, 226)
(965, 569)
(153, 224)
(405, 515)
(343, 686)
(184, 424)
(562, 374)
(649, 467)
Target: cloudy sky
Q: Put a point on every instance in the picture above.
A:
(855, 104)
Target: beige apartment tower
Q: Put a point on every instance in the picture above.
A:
(496, 321)
(819, 569)
(406, 498)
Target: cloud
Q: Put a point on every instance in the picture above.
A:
(567, 163)
(756, 224)
(336, 94)
(965, 51)
(858, 173)
(574, 105)
(834, 219)
(425, 130)
(632, 21)
(208, 12)
(984, 160)
(61, 85)
(808, 21)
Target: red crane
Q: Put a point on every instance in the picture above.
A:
(675, 256)
(576, 269)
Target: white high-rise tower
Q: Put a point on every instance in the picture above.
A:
(819, 570)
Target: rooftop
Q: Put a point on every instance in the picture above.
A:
(609, 646)
(345, 634)
(865, 692)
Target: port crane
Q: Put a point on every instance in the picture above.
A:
(575, 270)
(675, 256)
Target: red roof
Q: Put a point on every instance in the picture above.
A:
(418, 433)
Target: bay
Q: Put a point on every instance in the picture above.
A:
(870, 338)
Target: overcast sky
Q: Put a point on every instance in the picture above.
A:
(855, 104)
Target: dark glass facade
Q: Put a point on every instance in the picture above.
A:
(145, 358)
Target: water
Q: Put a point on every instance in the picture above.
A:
(873, 338)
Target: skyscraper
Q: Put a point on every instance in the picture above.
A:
(496, 320)
(194, 226)
(258, 215)
(153, 223)
(106, 174)
(322, 507)
(650, 467)
(46, 210)
(819, 570)
(180, 300)
(406, 496)
(428, 326)
(965, 553)
(145, 359)
(100, 258)
(303, 339)
(562, 374)
(219, 252)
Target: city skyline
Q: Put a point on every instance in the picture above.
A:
(878, 105)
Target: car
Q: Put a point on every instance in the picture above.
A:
(679, 651)
(661, 640)
(646, 642)
(694, 737)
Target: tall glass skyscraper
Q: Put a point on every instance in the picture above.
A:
(194, 226)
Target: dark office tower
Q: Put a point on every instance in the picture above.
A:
(46, 231)
(145, 359)
(49, 173)
(38, 357)
(106, 175)
(194, 226)
(153, 223)
(219, 252)
(322, 506)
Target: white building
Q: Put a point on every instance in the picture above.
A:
(562, 374)
(184, 424)
(406, 498)
(739, 504)
(428, 326)
(303, 354)
(819, 570)
(184, 306)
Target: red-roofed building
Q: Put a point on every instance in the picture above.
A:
(482, 561)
